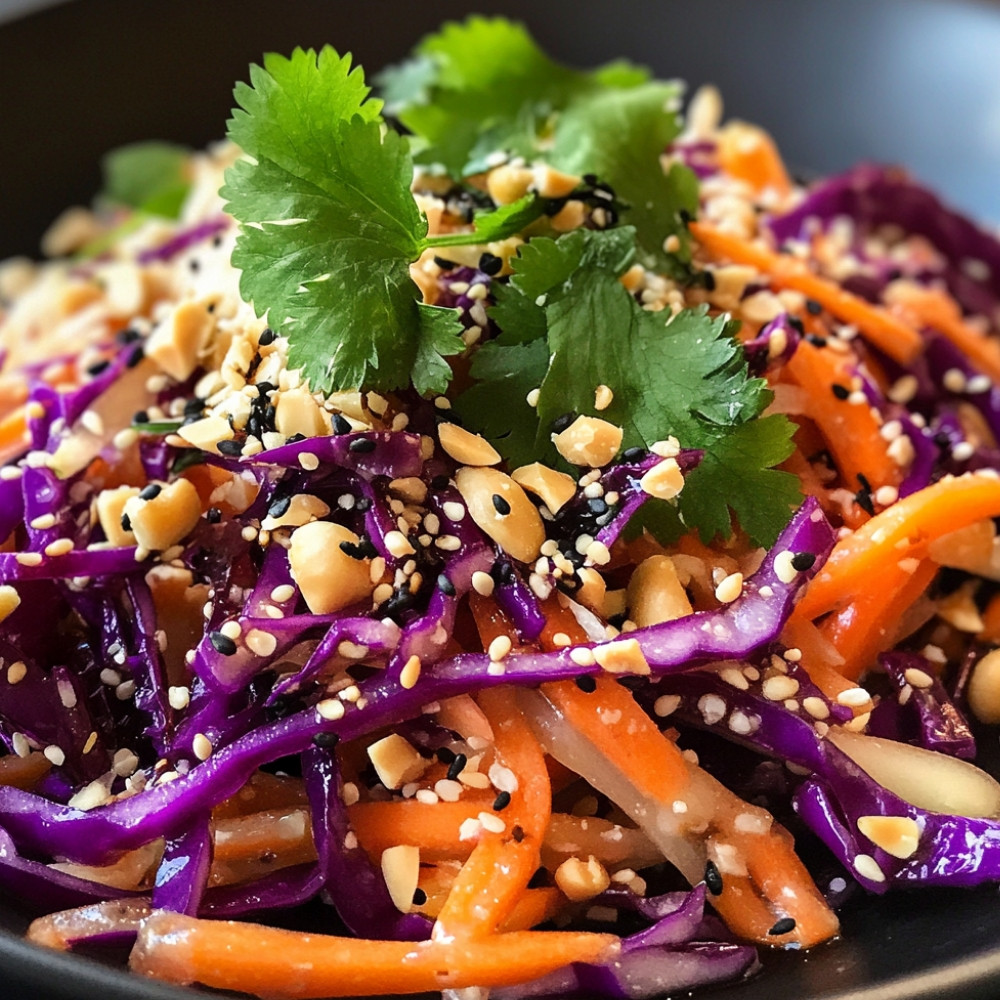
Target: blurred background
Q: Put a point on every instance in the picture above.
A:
(904, 81)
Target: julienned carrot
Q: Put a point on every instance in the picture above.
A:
(899, 340)
(276, 963)
(748, 153)
(821, 660)
(494, 879)
(850, 429)
(991, 620)
(13, 434)
(870, 623)
(902, 531)
(240, 837)
(934, 308)
(23, 772)
(758, 852)
(434, 828)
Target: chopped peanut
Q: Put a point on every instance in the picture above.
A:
(328, 577)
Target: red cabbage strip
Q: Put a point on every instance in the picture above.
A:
(70, 405)
(356, 889)
(577, 517)
(396, 454)
(146, 666)
(662, 959)
(874, 196)
(518, 601)
(282, 889)
(380, 638)
(183, 239)
(43, 889)
(166, 809)
(11, 506)
(924, 716)
(80, 562)
(780, 336)
(183, 872)
(942, 357)
(952, 850)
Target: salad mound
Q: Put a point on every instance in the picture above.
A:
(515, 519)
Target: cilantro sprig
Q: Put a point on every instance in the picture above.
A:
(685, 375)
(330, 227)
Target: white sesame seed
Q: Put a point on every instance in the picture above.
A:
(954, 380)
(730, 588)
(499, 648)
(309, 461)
(712, 708)
(398, 544)
(20, 743)
(779, 687)
(125, 690)
(918, 678)
(16, 672)
(447, 790)
(261, 643)
(453, 510)
(582, 656)
(179, 697)
(448, 543)
(855, 697)
(60, 547)
(283, 592)
(816, 707)
(201, 745)
(43, 522)
(783, 567)
(330, 709)
(55, 755)
(532, 398)
(410, 673)
(492, 822)
(867, 867)
(482, 583)
(231, 629)
(666, 705)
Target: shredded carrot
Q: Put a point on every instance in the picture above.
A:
(13, 434)
(935, 308)
(870, 623)
(613, 722)
(23, 772)
(898, 339)
(749, 154)
(501, 864)
(991, 620)
(850, 429)
(251, 958)
(902, 531)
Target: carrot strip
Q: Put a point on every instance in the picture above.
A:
(501, 864)
(748, 153)
(432, 828)
(991, 620)
(13, 434)
(535, 907)
(23, 772)
(276, 963)
(611, 720)
(934, 308)
(868, 625)
(899, 340)
(902, 531)
(240, 837)
(850, 430)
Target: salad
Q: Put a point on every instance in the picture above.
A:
(504, 515)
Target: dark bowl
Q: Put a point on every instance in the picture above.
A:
(902, 80)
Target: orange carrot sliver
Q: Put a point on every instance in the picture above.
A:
(434, 828)
(901, 531)
(286, 964)
(899, 340)
(748, 153)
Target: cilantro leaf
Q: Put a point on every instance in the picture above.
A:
(493, 89)
(736, 472)
(330, 227)
(149, 176)
(684, 375)
(496, 403)
(504, 221)
(619, 136)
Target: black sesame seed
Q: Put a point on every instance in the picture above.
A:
(501, 801)
(194, 407)
(295, 438)
(633, 454)
(685, 216)
(128, 336)
(490, 264)
(231, 448)
(840, 391)
(713, 879)
(325, 741)
(142, 417)
(597, 506)
(263, 388)
(222, 643)
(517, 832)
(445, 585)
(440, 482)
(351, 549)
(445, 754)
(126, 523)
(816, 340)
(457, 766)
(137, 355)
(561, 423)
(802, 561)
(502, 572)
(213, 515)
(98, 367)
(500, 505)
(813, 307)
(784, 926)
(586, 683)
(589, 179)
(863, 499)
(266, 338)
(362, 446)
(797, 325)
(150, 492)
(419, 897)
(444, 264)
(340, 424)
(279, 506)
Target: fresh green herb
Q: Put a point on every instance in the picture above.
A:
(149, 176)
(483, 86)
(158, 426)
(684, 376)
(330, 228)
